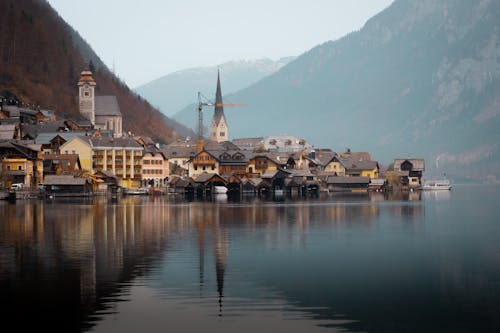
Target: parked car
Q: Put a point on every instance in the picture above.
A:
(17, 186)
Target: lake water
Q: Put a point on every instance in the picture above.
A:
(419, 262)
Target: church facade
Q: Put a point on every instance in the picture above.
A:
(102, 111)
(219, 131)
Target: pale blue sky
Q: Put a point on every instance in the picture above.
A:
(146, 39)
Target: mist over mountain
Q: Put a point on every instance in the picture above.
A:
(172, 92)
(420, 79)
(41, 58)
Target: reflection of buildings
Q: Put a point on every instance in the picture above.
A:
(94, 247)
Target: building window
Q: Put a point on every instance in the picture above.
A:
(204, 168)
(222, 133)
(19, 168)
(196, 167)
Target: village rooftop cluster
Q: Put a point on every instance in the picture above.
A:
(91, 155)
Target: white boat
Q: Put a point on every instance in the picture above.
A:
(220, 190)
(441, 184)
(138, 191)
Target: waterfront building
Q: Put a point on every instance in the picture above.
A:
(61, 164)
(203, 162)
(155, 168)
(21, 163)
(352, 164)
(410, 171)
(121, 156)
(260, 164)
(67, 185)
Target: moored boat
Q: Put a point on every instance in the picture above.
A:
(441, 184)
(220, 189)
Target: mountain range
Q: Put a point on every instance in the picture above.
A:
(41, 58)
(419, 79)
(171, 93)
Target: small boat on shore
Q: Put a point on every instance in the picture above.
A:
(220, 189)
(138, 191)
(441, 184)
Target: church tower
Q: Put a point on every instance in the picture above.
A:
(86, 95)
(219, 130)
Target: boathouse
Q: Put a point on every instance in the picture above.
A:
(65, 185)
(347, 184)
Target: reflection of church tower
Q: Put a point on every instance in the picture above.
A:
(219, 130)
(221, 245)
(86, 95)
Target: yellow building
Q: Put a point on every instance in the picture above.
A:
(336, 166)
(260, 164)
(21, 164)
(79, 145)
(353, 165)
(203, 162)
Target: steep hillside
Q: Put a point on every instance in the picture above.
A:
(422, 78)
(40, 61)
(174, 91)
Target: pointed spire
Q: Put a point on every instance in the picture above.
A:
(219, 128)
(219, 108)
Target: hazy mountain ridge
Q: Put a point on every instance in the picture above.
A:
(172, 92)
(41, 58)
(421, 78)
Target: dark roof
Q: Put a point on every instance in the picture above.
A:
(46, 138)
(231, 156)
(107, 106)
(7, 131)
(205, 177)
(124, 142)
(64, 180)
(361, 165)
(418, 163)
(348, 180)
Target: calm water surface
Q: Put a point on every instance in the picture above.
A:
(421, 262)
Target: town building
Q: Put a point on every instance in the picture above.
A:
(410, 171)
(21, 163)
(80, 145)
(121, 156)
(102, 111)
(155, 168)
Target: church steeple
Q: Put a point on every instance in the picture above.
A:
(86, 97)
(219, 130)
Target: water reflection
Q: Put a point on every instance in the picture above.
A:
(348, 262)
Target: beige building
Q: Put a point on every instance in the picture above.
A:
(120, 156)
(154, 168)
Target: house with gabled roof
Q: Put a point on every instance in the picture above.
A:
(410, 171)
(21, 162)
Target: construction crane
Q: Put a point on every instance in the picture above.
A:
(202, 102)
